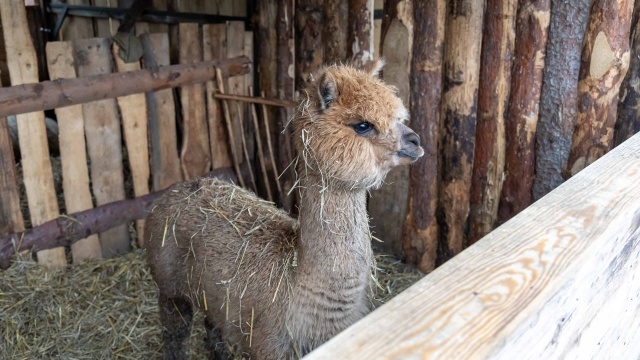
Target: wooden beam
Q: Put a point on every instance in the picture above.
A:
(557, 281)
(34, 96)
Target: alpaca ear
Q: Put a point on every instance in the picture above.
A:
(326, 91)
(374, 67)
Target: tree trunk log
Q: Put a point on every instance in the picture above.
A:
(628, 122)
(420, 231)
(59, 93)
(10, 215)
(463, 37)
(605, 60)
(558, 100)
(336, 15)
(360, 32)
(493, 96)
(309, 46)
(522, 117)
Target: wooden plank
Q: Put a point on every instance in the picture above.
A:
(235, 47)
(36, 165)
(165, 163)
(195, 156)
(10, 215)
(104, 141)
(75, 27)
(73, 154)
(133, 110)
(248, 83)
(557, 281)
(105, 27)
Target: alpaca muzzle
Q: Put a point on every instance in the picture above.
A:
(410, 144)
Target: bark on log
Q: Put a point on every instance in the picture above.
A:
(420, 231)
(463, 37)
(604, 63)
(59, 93)
(309, 46)
(522, 118)
(66, 230)
(336, 15)
(558, 100)
(360, 32)
(493, 96)
(628, 122)
(10, 215)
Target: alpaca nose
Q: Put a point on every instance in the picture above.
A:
(412, 138)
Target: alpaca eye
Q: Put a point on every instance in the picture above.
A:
(363, 127)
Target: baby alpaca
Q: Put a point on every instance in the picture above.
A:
(276, 286)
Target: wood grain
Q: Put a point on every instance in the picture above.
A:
(73, 153)
(10, 215)
(36, 165)
(133, 111)
(557, 281)
(75, 27)
(360, 38)
(104, 141)
(628, 121)
(165, 163)
(309, 25)
(336, 17)
(195, 156)
(235, 47)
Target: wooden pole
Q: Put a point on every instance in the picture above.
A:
(628, 122)
(605, 60)
(309, 44)
(493, 97)
(522, 119)
(558, 98)
(336, 15)
(47, 95)
(10, 215)
(463, 37)
(420, 230)
(360, 32)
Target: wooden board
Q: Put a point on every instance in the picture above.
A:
(75, 27)
(557, 281)
(36, 165)
(73, 154)
(235, 47)
(214, 39)
(195, 156)
(133, 110)
(248, 83)
(105, 27)
(104, 141)
(165, 164)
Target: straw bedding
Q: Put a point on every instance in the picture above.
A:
(107, 309)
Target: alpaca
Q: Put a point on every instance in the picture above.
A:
(276, 286)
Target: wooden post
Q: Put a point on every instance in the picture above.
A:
(104, 141)
(309, 44)
(420, 232)
(493, 97)
(558, 98)
(195, 156)
(334, 35)
(235, 47)
(165, 164)
(529, 61)
(604, 63)
(463, 37)
(36, 165)
(360, 32)
(628, 122)
(73, 153)
(388, 205)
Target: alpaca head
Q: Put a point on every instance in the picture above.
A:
(350, 129)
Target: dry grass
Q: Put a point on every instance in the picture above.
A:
(106, 309)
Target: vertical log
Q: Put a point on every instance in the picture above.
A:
(493, 96)
(628, 122)
(360, 32)
(604, 63)
(558, 98)
(463, 37)
(235, 85)
(420, 232)
(38, 176)
(336, 15)
(309, 46)
(10, 215)
(522, 119)
(285, 72)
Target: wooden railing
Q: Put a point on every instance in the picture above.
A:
(560, 280)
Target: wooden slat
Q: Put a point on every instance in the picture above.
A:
(104, 141)
(36, 165)
(105, 27)
(133, 110)
(235, 47)
(248, 83)
(73, 154)
(557, 281)
(75, 27)
(195, 156)
(165, 164)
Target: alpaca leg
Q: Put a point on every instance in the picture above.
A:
(175, 316)
(214, 342)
